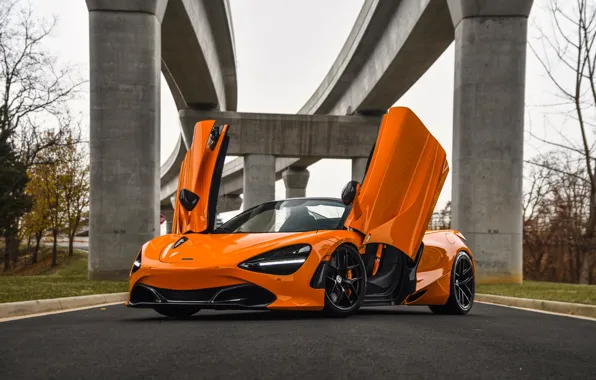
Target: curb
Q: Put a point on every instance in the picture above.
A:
(17, 309)
(551, 306)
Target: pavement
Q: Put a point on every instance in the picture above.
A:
(378, 343)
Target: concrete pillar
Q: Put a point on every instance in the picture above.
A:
(228, 202)
(295, 180)
(125, 64)
(259, 179)
(488, 126)
(358, 168)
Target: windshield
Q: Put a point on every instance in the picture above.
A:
(294, 215)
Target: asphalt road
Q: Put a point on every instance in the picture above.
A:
(379, 343)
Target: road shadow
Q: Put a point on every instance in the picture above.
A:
(251, 315)
(225, 315)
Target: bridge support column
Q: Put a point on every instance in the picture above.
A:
(295, 180)
(228, 202)
(125, 65)
(358, 168)
(259, 179)
(488, 126)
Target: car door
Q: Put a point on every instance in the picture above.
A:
(199, 179)
(404, 178)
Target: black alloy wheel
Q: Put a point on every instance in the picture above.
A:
(463, 287)
(345, 282)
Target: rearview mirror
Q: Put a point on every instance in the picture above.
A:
(349, 192)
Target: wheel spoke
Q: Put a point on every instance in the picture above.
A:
(333, 289)
(341, 294)
(351, 281)
(457, 270)
(467, 290)
(353, 289)
(348, 296)
(467, 269)
(464, 294)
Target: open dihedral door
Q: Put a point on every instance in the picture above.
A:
(199, 179)
(403, 181)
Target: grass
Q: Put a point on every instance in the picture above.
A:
(551, 291)
(67, 279)
(43, 265)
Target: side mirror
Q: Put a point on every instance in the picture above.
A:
(188, 199)
(349, 192)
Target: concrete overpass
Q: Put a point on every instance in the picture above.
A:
(390, 46)
(262, 137)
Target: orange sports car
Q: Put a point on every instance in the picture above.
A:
(368, 248)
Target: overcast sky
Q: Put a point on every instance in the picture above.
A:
(283, 51)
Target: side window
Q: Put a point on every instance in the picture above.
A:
(325, 211)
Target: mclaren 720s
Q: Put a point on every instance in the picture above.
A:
(368, 247)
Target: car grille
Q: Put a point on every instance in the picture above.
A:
(244, 295)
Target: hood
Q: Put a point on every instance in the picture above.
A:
(219, 249)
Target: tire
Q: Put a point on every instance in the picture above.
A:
(461, 295)
(177, 312)
(345, 282)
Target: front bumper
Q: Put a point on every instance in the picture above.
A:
(243, 296)
(223, 287)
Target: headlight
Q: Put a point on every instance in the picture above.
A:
(281, 261)
(137, 263)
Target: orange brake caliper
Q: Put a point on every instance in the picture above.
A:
(349, 277)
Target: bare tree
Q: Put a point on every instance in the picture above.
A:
(50, 179)
(74, 183)
(31, 83)
(441, 220)
(34, 91)
(568, 56)
(556, 211)
(538, 226)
